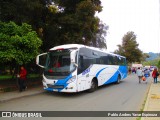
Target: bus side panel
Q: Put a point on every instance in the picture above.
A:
(107, 74)
(103, 73)
(85, 78)
(83, 81)
(123, 71)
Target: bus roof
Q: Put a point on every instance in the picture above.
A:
(67, 46)
(78, 46)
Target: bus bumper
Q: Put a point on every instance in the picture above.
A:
(71, 88)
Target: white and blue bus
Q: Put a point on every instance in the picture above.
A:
(75, 68)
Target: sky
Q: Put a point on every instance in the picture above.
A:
(140, 16)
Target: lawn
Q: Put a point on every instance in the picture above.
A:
(6, 77)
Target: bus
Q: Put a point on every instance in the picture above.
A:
(75, 68)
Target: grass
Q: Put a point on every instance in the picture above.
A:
(3, 77)
(6, 77)
(33, 75)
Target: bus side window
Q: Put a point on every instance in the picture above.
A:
(80, 64)
(121, 61)
(81, 61)
(110, 60)
(116, 60)
(124, 61)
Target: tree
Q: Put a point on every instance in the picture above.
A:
(24, 11)
(129, 48)
(33, 12)
(100, 40)
(158, 65)
(18, 44)
(75, 22)
(145, 56)
(57, 21)
(155, 62)
(78, 23)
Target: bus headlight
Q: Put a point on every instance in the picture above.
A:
(72, 79)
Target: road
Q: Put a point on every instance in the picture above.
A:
(129, 95)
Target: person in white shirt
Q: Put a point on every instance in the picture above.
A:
(139, 74)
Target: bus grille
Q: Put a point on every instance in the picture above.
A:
(55, 86)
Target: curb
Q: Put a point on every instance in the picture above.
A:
(145, 98)
(8, 88)
(19, 97)
(7, 96)
(150, 102)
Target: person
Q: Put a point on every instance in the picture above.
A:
(146, 74)
(129, 70)
(22, 79)
(133, 70)
(139, 74)
(57, 65)
(155, 74)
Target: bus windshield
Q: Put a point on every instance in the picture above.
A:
(58, 64)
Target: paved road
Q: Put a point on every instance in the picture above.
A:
(129, 95)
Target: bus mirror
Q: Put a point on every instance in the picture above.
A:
(76, 64)
(41, 59)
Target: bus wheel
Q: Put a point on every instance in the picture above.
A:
(94, 85)
(118, 79)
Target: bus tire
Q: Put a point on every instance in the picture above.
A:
(94, 85)
(118, 79)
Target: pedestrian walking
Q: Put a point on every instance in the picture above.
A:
(22, 79)
(139, 74)
(155, 74)
(134, 70)
(129, 70)
(146, 74)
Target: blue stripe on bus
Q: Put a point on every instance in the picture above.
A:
(121, 70)
(100, 71)
(49, 89)
(113, 78)
(124, 72)
(60, 82)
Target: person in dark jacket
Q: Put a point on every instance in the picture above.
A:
(155, 74)
(22, 78)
